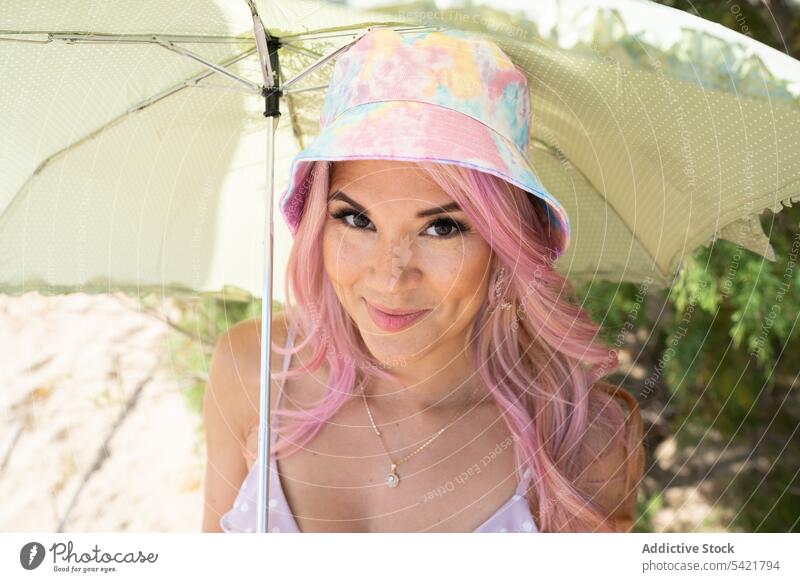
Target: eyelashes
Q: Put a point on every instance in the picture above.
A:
(458, 227)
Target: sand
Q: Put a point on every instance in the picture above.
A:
(71, 428)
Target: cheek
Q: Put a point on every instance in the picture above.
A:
(460, 275)
(456, 274)
(341, 256)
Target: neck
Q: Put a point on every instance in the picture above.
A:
(444, 380)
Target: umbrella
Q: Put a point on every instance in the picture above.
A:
(132, 144)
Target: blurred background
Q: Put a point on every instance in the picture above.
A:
(101, 394)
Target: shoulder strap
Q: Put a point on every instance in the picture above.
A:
(522, 485)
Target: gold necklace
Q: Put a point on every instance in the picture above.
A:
(392, 479)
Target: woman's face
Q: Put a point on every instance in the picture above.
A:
(387, 243)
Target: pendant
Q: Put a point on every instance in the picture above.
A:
(392, 480)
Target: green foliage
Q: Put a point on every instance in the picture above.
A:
(721, 341)
(197, 329)
(200, 323)
(646, 508)
(739, 16)
(770, 497)
(208, 317)
(619, 309)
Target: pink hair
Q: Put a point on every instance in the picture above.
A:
(531, 354)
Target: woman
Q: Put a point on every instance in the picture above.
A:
(443, 377)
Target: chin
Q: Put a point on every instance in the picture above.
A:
(391, 350)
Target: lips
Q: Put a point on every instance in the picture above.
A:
(395, 319)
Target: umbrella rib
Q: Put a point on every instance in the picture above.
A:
(167, 42)
(193, 81)
(324, 60)
(144, 104)
(552, 151)
(213, 66)
(339, 32)
(43, 37)
(304, 89)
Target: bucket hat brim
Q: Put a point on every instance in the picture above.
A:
(417, 131)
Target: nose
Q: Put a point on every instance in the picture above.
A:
(393, 267)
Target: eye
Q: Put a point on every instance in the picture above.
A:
(345, 213)
(443, 224)
(443, 228)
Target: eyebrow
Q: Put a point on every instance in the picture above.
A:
(339, 195)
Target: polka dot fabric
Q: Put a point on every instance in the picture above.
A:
(513, 516)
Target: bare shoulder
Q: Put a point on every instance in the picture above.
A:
(245, 338)
(231, 400)
(235, 372)
(243, 346)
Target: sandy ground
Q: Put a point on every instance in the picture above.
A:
(80, 449)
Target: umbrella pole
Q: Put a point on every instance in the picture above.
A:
(264, 442)
(268, 53)
(266, 341)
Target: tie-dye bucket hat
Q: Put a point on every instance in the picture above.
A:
(442, 96)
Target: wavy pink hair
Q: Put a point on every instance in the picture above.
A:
(539, 359)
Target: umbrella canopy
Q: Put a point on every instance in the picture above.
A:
(127, 162)
(133, 153)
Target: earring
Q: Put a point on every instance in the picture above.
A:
(500, 292)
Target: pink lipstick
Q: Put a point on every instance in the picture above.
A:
(395, 319)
